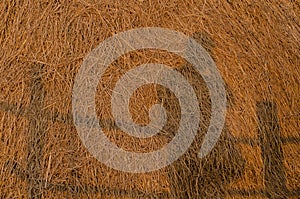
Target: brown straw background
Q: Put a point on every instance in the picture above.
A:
(255, 45)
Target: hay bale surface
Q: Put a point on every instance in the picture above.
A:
(255, 45)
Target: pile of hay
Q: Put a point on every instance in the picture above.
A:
(255, 46)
